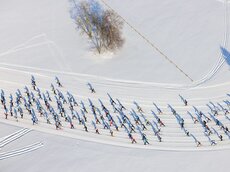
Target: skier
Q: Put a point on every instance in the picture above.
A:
(39, 93)
(138, 107)
(11, 100)
(58, 82)
(111, 132)
(158, 109)
(182, 123)
(6, 113)
(111, 99)
(196, 141)
(172, 110)
(132, 139)
(212, 142)
(47, 117)
(33, 120)
(83, 107)
(143, 126)
(83, 114)
(33, 83)
(160, 122)
(146, 120)
(144, 138)
(158, 129)
(85, 127)
(154, 129)
(20, 111)
(186, 132)
(221, 137)
(115, 125)
(121, 105)
(193, 118)
(3, 100)
(70, 122)
(95, 127)
(159, 138)
(184, 100)
(53, 89)
(91, 88)
(48, 96)
(120, 121)
(158, 119)
(57, 125)
(15, 114)
(105, 124)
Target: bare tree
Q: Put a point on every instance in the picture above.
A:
(103, 27)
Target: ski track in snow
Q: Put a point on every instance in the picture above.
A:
(216, 68)
(172, 136)
(100, 81)
(20, 151)
(174, 139)
(124, 83)
(13, 137)
(221, 60)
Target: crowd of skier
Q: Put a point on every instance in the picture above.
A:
(58, 107)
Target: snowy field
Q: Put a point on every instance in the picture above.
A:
(39, 38)
(65, 154)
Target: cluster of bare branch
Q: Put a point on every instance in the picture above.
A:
(103, 27)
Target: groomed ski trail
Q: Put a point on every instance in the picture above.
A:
(21, 151)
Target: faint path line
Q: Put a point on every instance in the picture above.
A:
(104, 80)
(149, 42)
(213, 71)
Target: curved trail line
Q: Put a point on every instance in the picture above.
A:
(87, 137)
(221, 60)
(173, 137)
(126, 101)
(110, 81)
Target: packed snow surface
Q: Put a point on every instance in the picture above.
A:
(39, 38)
